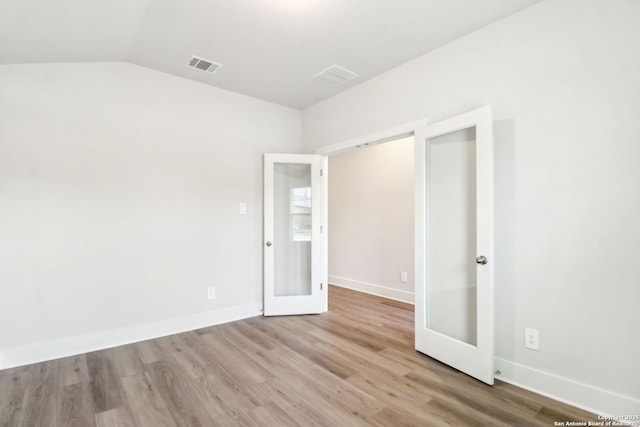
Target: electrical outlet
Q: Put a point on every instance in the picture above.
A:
(403, 276)
(532, 338)
(211, 292)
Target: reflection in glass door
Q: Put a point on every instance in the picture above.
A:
(451, 281)
(292, 229)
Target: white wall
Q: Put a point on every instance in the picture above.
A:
(562, 77)
(371, 219)
(120, 190)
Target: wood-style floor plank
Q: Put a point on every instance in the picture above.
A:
(149, 351)
(73, 370)
(227, 401)
(147, 406)
(76, 406)
(117, 417)
(41, 405)
(271, 415)
(185, 399)
(353, 366)
(105, 384)
(13, 386)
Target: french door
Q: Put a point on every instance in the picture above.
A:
(454, 242)
(294, 273)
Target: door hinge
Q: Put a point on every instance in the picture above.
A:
(320, 172)
(320, 286)
(320, 229)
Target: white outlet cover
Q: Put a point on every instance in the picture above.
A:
(532, 338)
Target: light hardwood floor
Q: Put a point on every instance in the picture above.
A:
(354, 365)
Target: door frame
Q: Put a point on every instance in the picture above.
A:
(386, 135)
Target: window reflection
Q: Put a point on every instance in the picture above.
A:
(301, 214)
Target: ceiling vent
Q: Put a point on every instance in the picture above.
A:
(335, 75)
(203, 64)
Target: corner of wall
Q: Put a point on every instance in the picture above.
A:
(575, 393)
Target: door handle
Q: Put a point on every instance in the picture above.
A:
(482, 260)
(269, 243)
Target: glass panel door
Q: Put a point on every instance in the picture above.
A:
(454, 242)
(292, 225)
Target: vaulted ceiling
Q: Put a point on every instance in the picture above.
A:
(269, 49)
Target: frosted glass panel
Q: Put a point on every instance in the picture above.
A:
(292, 229)
(451, 194)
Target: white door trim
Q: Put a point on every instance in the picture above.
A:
(379, 137)
(386, 135)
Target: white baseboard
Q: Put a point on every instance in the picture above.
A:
(370, 288)
(54, 349)
(580, 395)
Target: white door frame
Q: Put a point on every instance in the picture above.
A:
(387, 135)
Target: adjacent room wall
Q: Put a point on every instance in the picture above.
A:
(371, 219)
(562, 77)
(120, 190)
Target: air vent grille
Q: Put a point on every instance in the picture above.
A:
(335, 75)
(203, 64)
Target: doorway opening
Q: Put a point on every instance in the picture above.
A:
(371, 219)
(453, 235)
(401, 141)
